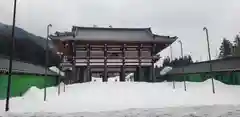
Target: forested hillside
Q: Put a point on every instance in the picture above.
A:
(28, 47)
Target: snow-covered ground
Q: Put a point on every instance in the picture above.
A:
(137, 98)
(200, 111)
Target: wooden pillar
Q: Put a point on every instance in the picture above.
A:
(73, 62)
(105, 78)
(73, 73)
(139, 62)
(152, 66)
(88, 62)
(90, 74)
(77, 74)
(122, 73)
(81, 74)
(85, 75)
(136, 74)
(145, 74)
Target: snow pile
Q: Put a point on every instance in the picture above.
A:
(56, 70)
(110, 79)
(165, 70)
(95, 79)
(130, 77)
(110, 96)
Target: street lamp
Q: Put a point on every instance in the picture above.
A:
(60, 54)
(185, 88)
(171, 57)
(11, 57)
(46, 61)
(209, 56)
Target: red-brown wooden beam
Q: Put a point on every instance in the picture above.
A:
(88, 63)
(139, 61)
(73, 61)
(152, 57)
(105, 79)
(153, 69)
(122, 72)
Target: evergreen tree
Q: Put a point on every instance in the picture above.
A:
(166, 61)
(237, 40)
(189, 58)
(225, 48)
(177, 62)
(236, 46)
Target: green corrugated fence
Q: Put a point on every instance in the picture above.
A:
(21, 83)
(231, 78)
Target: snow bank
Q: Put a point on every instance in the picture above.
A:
(56, 70)
(110, 96)
(165, 70)
(110, 79)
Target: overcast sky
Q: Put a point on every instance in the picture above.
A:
(182, 18)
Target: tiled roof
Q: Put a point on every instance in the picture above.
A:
(22, 67)
(114, 34)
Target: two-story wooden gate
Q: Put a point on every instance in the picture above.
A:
(105, 52)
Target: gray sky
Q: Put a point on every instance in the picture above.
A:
(182, 18)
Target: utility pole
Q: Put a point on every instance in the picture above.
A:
(216, 56)
(209, 56)
(171, 58)
(184, 81)
(12, 48)
(46, 62)
(60, 54)
(59, 81)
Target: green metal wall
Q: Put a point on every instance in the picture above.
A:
(21, 83)
(231, 78)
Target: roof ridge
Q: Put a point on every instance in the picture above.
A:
(118, 28)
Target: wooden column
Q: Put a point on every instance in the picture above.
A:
(77, 74)
(152, 66)
(88, 62)
(139, 62)
(136, 73)
(81, 74)
(105, 78)
(90, 74)
(122, 73)
(85, 76)
(73, 62)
